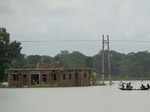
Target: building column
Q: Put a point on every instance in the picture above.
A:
(40, 80)
(29, 80)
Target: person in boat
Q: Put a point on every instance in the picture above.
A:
(122, 85)
(142, 86)
(148, 86)
(129, 86)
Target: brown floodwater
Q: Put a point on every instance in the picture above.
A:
(76, 99)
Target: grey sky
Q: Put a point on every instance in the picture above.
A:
(48, 20)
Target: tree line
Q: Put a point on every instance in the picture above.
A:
(124, 66)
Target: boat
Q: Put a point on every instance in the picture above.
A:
(126, 89)
(129, 89)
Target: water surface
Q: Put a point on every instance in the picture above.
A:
(79, 99)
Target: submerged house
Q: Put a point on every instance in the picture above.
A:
(49, 77)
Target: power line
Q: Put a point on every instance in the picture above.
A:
(135, 41)
(47, 41)
(59, 40)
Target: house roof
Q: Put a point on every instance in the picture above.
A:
(49, 69)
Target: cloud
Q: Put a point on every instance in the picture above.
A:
(76, 19)
(5, 7)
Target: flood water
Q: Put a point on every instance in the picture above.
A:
(76, 99)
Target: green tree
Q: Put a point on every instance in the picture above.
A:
(33, 60)
(8, 51)
(73, 60)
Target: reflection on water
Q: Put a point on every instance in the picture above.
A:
(86, 99)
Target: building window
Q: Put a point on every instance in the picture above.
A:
(35, 79)
(44, 79)
(64, 76)
(70, 76)
(15, 77)
(85, 75)
(24, 76)
(76, 75)
(54, 77)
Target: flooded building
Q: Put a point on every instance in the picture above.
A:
(48, 77)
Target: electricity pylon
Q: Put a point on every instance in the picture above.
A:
(106, 58)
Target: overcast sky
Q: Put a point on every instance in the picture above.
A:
(49, 20)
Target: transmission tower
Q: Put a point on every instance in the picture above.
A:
(106, 59)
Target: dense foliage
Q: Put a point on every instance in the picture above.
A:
(8, 51)
(132, 65)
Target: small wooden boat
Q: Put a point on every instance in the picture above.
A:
(130, 89)
(126, 89)
(145, 89)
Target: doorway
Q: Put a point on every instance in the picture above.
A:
(34, 79)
